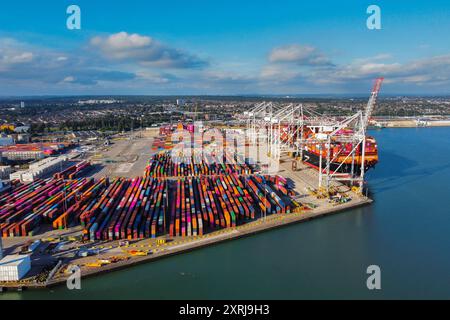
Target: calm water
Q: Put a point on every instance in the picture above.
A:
(406, 232)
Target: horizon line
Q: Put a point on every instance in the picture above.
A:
(256, 95)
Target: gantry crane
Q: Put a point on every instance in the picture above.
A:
(294, 119)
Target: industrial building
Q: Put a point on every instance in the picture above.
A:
(31, 151)
(86, 135)
(23, 155)
(14, 267)
(16, 175)
(5, 171)
(39, 169)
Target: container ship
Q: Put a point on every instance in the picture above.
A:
(340, 153)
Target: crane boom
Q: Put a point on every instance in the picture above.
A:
(372, 101)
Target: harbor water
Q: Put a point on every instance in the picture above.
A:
(406, 232)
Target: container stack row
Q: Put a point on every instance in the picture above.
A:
(281, 184)
(150, 207)
(269, 200)
(166, 165)
(73, 171)
(161, 144)
(201, 199)
(209, 203)
(127, 209)
(83, 202)
(26, 207)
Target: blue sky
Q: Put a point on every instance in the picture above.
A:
(223, 47)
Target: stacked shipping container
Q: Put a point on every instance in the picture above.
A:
(73, 171)
(193, 194)
(138, 208)
(166, 165)
(127, 209)
(24, 208)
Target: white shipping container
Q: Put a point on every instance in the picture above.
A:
(14, 267)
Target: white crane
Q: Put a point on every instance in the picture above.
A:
(371, 102)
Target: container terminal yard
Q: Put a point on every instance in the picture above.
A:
(167, 190)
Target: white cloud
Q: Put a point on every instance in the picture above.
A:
(432, 73)
(135, 63)
(153, 77)
(17, 58)
(122, 41)
(299, 54)
(13, 53)
(145, 51)
(278, 73)
(69, 79)
(22, 63)
(227, 76)
(426, 70)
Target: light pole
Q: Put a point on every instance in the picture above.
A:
(320, 166)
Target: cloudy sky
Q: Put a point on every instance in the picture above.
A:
(223, 47)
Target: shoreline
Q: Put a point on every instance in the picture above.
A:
(389, 124)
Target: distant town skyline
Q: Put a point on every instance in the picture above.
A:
(223, 48)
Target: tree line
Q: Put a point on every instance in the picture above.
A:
(107, 123)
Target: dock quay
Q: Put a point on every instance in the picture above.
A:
(162, 247)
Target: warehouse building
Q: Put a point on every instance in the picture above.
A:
(5, 171)
(16, 175)
(39, 169)
(14, 267)
(21, 155)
